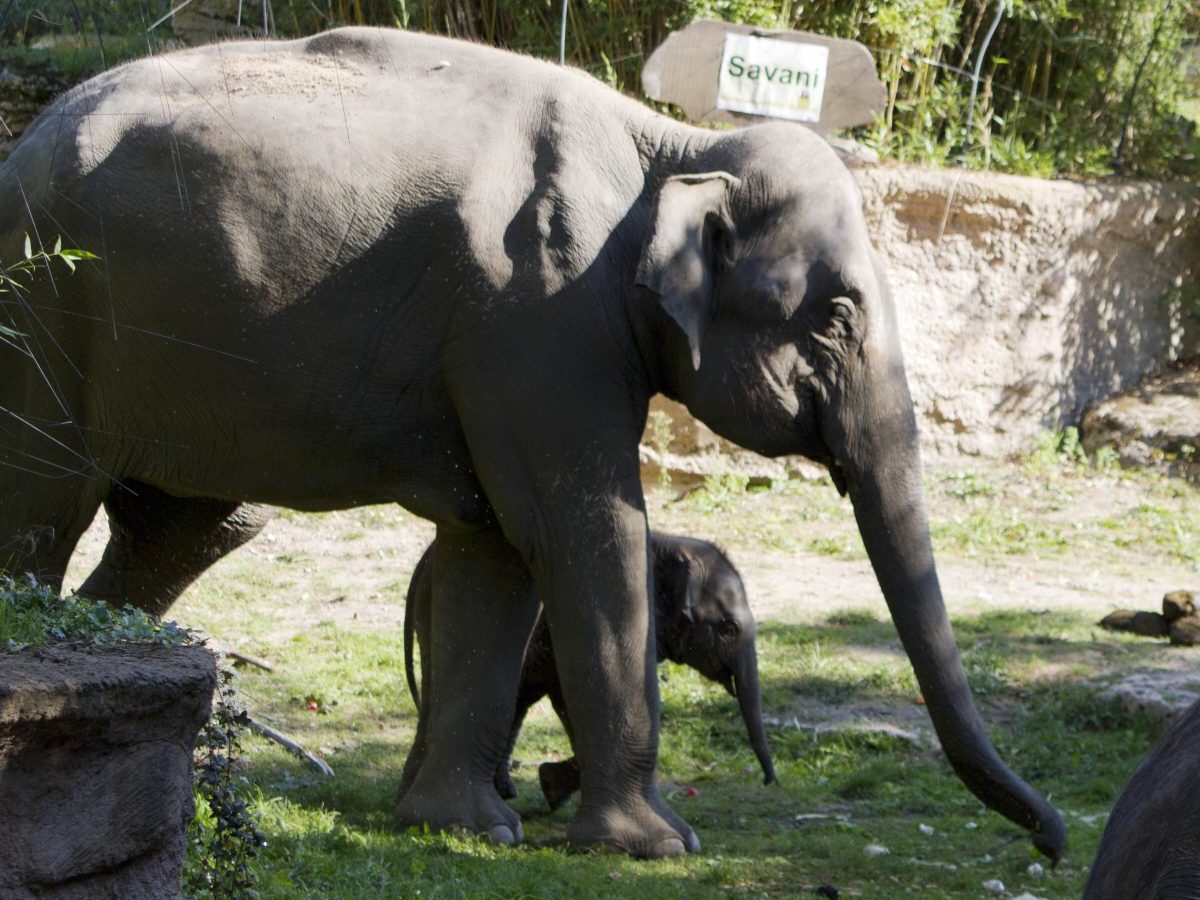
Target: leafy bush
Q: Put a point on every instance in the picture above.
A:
(31, 614)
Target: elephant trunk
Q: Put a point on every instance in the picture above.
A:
(880, 466)
(745, 679)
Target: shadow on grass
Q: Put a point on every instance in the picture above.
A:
(839, 789)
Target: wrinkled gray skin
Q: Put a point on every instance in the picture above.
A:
(373, 267)
(1150, 849)
(701, 619)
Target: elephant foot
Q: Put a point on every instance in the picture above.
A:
(473, 809)
(636, 829)
(559, 780)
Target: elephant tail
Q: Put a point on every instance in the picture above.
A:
(409, 672)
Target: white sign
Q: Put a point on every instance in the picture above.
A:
(766, 77)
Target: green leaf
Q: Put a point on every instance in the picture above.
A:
(58, 244)
(28, 247)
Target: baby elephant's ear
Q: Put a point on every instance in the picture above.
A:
(679, 257)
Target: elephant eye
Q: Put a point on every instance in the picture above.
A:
(727, 627)
(722, 248)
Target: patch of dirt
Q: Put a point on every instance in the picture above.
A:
(351, 568)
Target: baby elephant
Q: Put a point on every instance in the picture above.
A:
(1151, 845)
(701, 618)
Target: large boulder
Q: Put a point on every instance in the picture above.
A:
(1154, 424)
(96, 769)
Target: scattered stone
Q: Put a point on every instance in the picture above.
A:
(1147, 624)
(875, 850)
(1026, 896)
(971, 826)
(1186, 632)
(1035, 869)
(1121, 620)
(1162, 695)
(995, 885)
(926, 830)
(1178, 604)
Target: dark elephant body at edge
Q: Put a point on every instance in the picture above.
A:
(375, 266)
(1150, 849)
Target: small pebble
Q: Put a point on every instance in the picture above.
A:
(925, 829)
(875, 850)
(995, 885)
(1027, 896)
(970, 826)
(1035, 869)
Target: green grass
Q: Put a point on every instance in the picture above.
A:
(334, 838)
(840, 788)
(1040, 509)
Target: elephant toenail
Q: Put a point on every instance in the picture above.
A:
(502, 835)
(672, 846)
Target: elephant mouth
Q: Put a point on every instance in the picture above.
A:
(838, 474)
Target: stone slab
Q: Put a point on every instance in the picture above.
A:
(685, 68)
(96, 769)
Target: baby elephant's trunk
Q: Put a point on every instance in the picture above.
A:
(745, 679)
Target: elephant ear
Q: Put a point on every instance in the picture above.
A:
(691, 576)
(679, 258)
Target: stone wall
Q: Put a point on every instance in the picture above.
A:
(24, 90)
(1023, 301)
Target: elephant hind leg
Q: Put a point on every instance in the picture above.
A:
(483, 611)
(159, 544)
(41, 521)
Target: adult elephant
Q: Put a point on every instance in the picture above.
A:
(373, 266)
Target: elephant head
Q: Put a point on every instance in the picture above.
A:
(704, 621)
(780, 334)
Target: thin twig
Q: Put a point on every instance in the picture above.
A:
(238, 656)
(288, 744)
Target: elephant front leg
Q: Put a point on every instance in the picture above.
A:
(595, 587)
(482, 612)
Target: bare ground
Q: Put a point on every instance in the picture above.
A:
(797, 549)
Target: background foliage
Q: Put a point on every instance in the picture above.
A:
(1066, 86)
